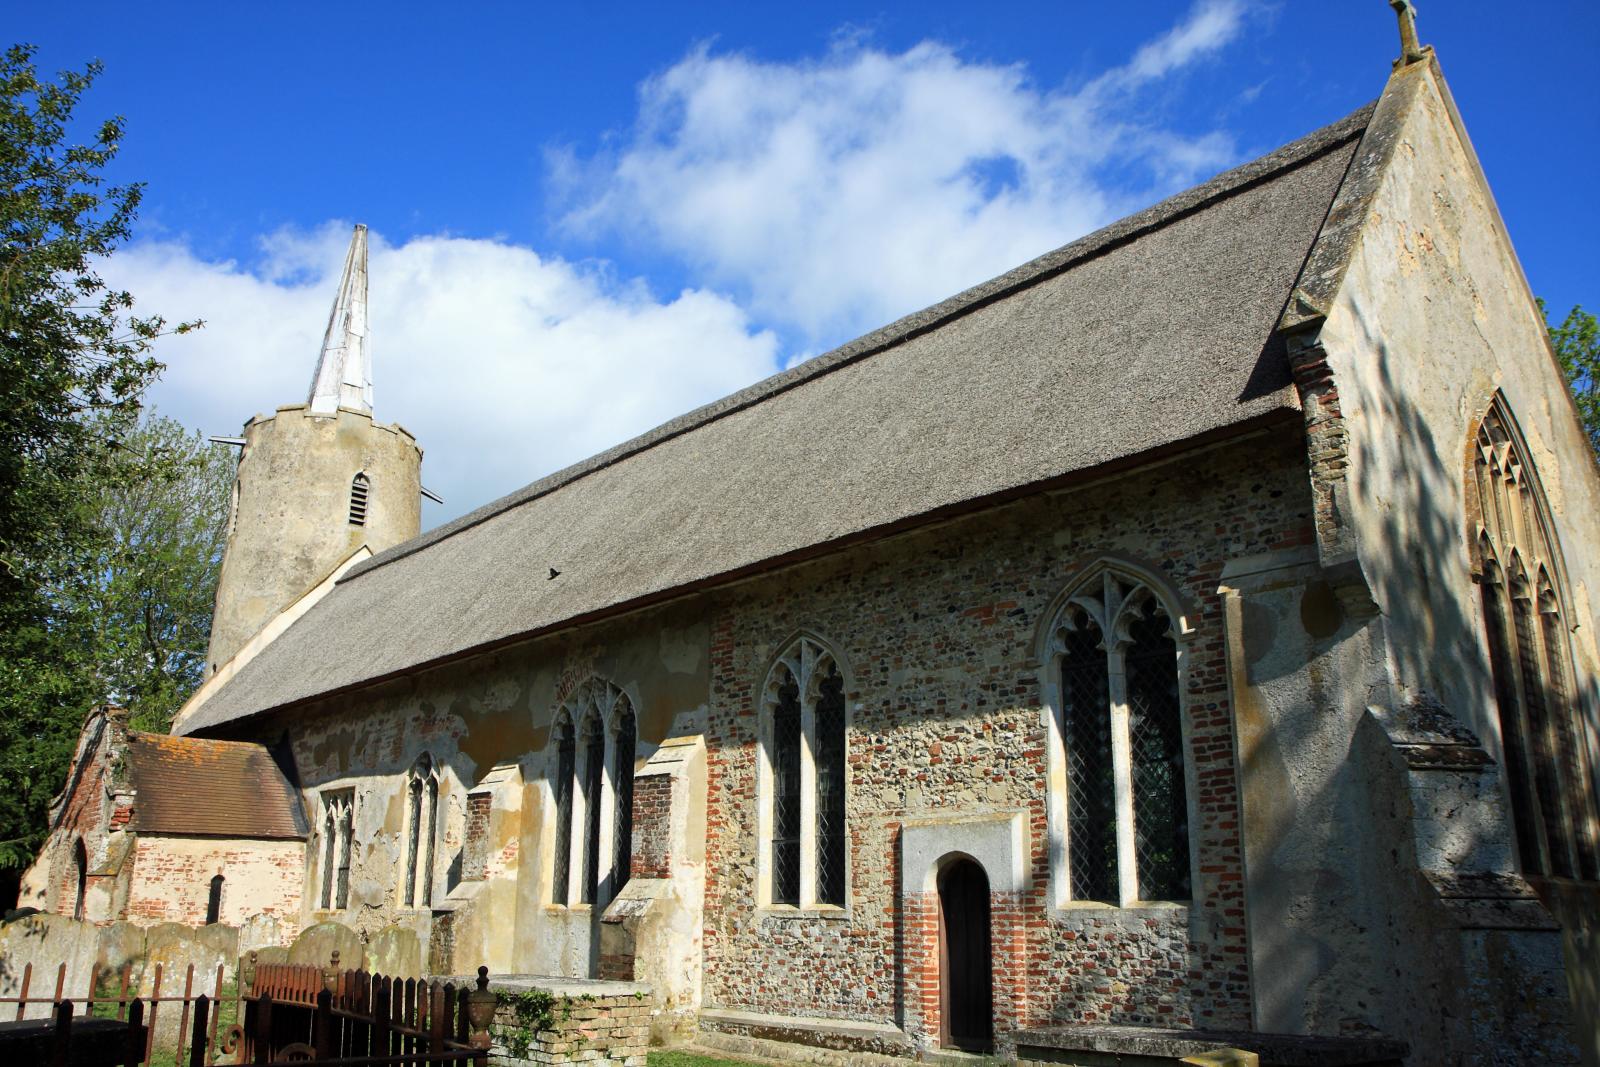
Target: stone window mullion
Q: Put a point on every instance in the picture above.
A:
(1122, 771)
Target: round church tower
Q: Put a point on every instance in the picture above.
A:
(319, 484)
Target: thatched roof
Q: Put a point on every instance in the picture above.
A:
(1154, 331)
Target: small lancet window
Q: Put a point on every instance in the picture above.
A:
(422, 815)
(214, 901)
(1517, 566)
(360, 488)
(803, 779)
(1114, 652)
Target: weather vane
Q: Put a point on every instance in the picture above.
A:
(1410, 49)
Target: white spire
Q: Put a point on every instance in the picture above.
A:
(344, 370)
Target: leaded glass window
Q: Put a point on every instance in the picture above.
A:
(1543, 734)
(1091, 777)
(566, 754)
(830, 787)
(1125, 817)
(804, 779)
(594, 762)
(1155, 740)
(786, 793)
(594, 793)
(625, 738)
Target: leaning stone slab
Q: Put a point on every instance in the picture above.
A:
(46, 941)
(122, 944)
(394, 951)
(317, 944)
(176, 948)
(260, 931)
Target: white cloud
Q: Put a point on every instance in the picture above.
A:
(831, 195)
(1210, 26)
(506, 365)
(842, 192)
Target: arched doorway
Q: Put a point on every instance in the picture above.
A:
(966, 1000)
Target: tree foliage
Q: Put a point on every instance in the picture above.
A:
(72, 354)
(145, 590)
(1577, 345)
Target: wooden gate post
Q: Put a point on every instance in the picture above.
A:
(322, 1026)
(263, 1036)
(61, 1043)
(197, 1044)
(133, 1047)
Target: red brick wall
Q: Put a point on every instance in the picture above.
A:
(652, 826)
(475, 846)
(84, 817)
(172, 879)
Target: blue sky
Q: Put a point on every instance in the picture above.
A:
(587, 219)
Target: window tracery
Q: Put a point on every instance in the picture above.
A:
(1517, 567)
(596, 742)
(1115, 661)
(802, 855)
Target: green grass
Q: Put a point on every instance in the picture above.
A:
(669, 1058)
(165, 1053)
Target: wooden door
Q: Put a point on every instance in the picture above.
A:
(966, 1002)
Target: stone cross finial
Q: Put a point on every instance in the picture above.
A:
(344, 370)
(1410, 48)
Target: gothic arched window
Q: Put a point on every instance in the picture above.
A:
(338, 820)
(594, 794)
(1517, 566)
(802, 779)
(360, 489)
(1114, 660)
(422, 824)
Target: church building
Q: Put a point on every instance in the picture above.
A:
(1191, 631)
